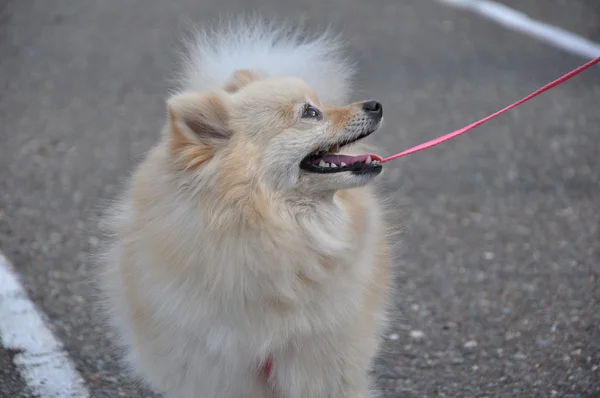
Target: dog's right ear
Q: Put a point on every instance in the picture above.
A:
(240, 79)
(197, 126)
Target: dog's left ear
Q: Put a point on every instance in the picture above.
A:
(201, 118)
(239, 79)
(197, 126)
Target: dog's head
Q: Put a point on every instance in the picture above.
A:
(275, 132)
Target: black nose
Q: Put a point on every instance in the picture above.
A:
(373, 107)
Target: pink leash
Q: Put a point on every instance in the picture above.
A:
(471, 126)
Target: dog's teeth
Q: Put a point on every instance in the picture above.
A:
(375, 161)
(333, 165)
(342, 164)
(322, 163)
(327, 164)
(368, 161)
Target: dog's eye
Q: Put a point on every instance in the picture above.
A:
(310, 112)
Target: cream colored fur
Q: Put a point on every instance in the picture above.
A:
(222, 252)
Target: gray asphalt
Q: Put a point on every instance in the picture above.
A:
(11, 383)
(499, 266)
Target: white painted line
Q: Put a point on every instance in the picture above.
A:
(521, 22)
(40, 358)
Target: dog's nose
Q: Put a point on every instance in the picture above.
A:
(372, 107)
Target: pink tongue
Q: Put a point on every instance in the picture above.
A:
(338, 159)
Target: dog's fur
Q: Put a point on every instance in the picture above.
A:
(224, 253)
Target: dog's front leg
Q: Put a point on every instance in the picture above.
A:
(326, 367)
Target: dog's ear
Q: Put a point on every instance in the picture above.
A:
(199, 117)
(241, 78)
(197, 126)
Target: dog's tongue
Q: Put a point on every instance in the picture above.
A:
(338, 159)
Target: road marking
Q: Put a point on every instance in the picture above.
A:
(523, 23)
(41, 359)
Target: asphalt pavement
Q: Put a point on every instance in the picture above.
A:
(498, 258)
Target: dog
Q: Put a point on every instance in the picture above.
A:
(248, 256)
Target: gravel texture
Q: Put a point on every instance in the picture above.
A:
(11, 383)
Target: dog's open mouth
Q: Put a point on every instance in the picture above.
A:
(331, 161)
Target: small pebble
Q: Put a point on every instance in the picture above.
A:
(489, 255)
(417, 334)
(393, 336)
(470, 344)
(450, 325)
